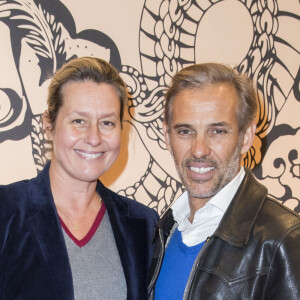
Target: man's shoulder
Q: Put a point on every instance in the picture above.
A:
(262, 205)
(277, 217)
(274, 207)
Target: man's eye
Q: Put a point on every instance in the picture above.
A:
(219, 131)
(184, 132)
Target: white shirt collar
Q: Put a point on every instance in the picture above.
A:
(221, 201)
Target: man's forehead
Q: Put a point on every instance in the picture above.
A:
(210, 88)
(214, 106)
(205, 100)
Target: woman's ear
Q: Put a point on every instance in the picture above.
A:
(248, 138)
(47, 125)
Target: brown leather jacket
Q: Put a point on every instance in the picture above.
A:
(253, 254)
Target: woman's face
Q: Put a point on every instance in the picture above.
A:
(87, 133)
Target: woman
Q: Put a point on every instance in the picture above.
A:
(64, 235)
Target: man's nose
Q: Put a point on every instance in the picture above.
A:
(200, 146)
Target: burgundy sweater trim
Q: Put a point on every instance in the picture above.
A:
(90, 234)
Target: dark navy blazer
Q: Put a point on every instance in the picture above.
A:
(34, 262)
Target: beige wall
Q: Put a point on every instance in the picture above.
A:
(149, 41)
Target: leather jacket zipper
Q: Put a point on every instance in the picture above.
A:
(194, 268)
(156, 273)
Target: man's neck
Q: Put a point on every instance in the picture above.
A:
(227, 191)
(195, 205)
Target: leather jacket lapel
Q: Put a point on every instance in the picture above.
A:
(238, 221)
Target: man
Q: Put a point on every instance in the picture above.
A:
(224, 238)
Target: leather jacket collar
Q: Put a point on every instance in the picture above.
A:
(237, 221)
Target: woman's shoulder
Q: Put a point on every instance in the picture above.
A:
(134, 207)
(17, 193)
(12, 190)
(27, 188)
(12, 200)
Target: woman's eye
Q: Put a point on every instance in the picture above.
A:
(108, 123)
(78, 121)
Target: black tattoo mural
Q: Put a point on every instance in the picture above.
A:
(42, 36)
(169, 53)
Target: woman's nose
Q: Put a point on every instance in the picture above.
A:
(93, 136)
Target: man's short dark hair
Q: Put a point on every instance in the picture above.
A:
(201, 75)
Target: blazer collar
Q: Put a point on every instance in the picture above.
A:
(113, 204)
(242, 212)
(131, 235)
(45, 228)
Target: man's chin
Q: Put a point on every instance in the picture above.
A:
(201, 194)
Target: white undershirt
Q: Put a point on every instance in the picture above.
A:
(207, 218)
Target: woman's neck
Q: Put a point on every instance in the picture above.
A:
(72, 193)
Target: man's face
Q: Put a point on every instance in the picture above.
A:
(204, 138)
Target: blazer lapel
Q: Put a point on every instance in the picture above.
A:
(45, 228)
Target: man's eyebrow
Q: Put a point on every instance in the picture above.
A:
(180, 125)
(78, 112)
(219, 124)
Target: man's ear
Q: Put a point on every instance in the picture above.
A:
(167, 136)
(248, 138)
(47, 126)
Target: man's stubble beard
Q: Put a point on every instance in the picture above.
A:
(231, 168)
